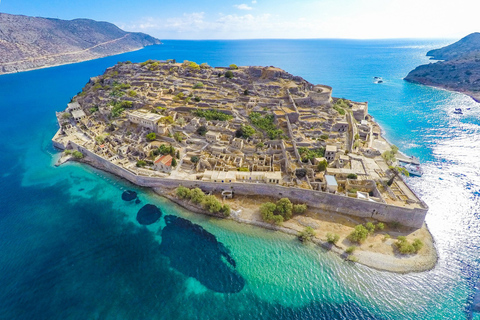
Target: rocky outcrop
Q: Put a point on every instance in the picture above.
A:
(29, 42)
(459, 72)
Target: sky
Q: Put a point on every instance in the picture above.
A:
(261, 19)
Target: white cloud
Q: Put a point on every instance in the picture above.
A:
(254, 1)
(242, 6)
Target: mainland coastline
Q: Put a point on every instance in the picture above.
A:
(377, 252)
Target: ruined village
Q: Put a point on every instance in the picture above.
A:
(250, 125)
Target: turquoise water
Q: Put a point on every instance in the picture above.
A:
(71, 248)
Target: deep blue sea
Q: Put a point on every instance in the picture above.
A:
(71, 248)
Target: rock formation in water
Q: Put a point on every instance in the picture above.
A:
(460, 70)
(30, 42)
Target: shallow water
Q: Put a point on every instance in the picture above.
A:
(73, 249)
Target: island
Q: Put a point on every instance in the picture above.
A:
(28, 43)
(256, 145)
(458, 71)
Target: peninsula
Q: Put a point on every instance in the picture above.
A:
(247, 136)
(459, 71)
(28, 43)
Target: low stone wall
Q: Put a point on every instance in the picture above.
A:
(330, 202)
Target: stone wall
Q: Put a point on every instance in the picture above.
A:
(330, 202)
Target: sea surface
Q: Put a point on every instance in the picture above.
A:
(71, 248)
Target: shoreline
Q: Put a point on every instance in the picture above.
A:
(67, 63)
(396, 263)
(470, 94)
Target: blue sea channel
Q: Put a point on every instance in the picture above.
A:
(71, 248)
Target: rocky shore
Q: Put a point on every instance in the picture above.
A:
(29, 43)
(459, 71)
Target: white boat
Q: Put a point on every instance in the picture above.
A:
(377, 80)
(413, 168)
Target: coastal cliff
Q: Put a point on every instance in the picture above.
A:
(460, 70)
(28, 43)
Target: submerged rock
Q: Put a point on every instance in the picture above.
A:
(137, 201)
(148, 214)
(129, 195)
(196, 253)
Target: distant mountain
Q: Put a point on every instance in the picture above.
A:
(30, 43)
(460, 70)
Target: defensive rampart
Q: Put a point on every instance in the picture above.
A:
(410, 217)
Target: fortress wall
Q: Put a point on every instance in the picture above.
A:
(322, 200)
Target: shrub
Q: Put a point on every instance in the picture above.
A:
(211, 204)
(246, 92)
(233, 66)
(324, 136)
(267, 210)
(229, 74)
(197, 99)
(322, 165)
(380, 226)
(359, 234)
(198, 85)
(299, 208)
(202, 130)
(406, 247)
(386, 237)
(245, 132)
(352, 176)
(197, 195)
(66, 115)
(332, 238)
(225, 210)
(77, 154)
(141, 163)
(350, 249)
(178, 136)
(183, 193)
(243, 169)
(151, 136)
(195, 159)
(307, 234)
(370, 227)
(284, 208)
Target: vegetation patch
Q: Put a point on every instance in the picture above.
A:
(212, 115)
(265, 123)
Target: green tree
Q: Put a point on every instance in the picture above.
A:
(380, 226)
(229, 74)
(284, 207)
(195, 159)
(202, 130)
(197, 195)
(359, 234)
(352, 176)
(233, 66)
(178, 136)
(267, 210)
(322, 165)
(198, 85)
(307, 234)
(370, 227)
(245, 132)
(174, 162)
(77, 154)
(151, 136)
(225, 210)
(395, 172)
(211, 204)
(183, 192)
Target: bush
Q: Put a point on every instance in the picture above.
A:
(299, 208)
(211, 204)
(132, 93)
(245, 132)
(141, 163)
(380, 226)
(322, 165)
(324, 136)
(350, 249)
(225, 210)
(229, 74)
(195, 159)
(267, 210)
(359, 234)
(284, 208)
(332, 238)
(197, 99)
(77, 154)
(243, 169)
(233, 66)
(386, 237)
(307, 234)
(198, 85)
(202, 130)
(183, 193)
(197, 195)
(212, 115)
(406, 247)
(151, 136)
(352, 176)
(370, 227)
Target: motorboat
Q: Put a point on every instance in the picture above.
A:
(377, 80)
(413, 167)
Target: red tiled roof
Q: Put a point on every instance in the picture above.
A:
(165, 160)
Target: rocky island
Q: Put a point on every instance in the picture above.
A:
(256, 145)
(28, 43)
(459, 71)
